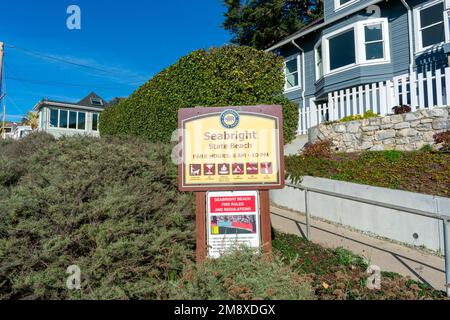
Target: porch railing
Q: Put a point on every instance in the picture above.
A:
(418, 90)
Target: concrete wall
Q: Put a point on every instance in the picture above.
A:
(387, 223)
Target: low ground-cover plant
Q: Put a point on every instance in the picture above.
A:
(110, 206)
(242, 275)
(418, 171)
(367, 115)
(340, 274)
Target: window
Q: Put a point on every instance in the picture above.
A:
(339, 4)
(373, 42)
(95, 122)
(96, 102)
(429, 21)
(72, 120)
(63, 118)
(319, 61)
(292, 72)
(54, 118)
(363, 43)
(81, 121)
(340, 57)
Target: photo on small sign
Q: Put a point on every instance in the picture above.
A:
(233, 224)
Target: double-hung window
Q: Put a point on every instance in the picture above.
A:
(429, 24)
(373, 42)
(292, 72)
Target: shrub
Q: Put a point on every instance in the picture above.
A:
(401, 109)
(110, 206)
(318, 149)
(444, 139)
(242, 276)
(225, 76)
(367, 115)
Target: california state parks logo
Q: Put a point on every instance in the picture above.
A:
(229, 119)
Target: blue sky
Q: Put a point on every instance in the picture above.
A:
(126, 43)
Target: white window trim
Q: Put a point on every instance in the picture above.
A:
(417, 33)
(92, 122)
(385, 32)
(360, 54)
(318, 44)
(338, 6)
(58, 127)
(292, 57)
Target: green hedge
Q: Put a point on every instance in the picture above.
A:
(224, 76)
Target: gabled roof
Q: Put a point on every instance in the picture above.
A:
(88, 101)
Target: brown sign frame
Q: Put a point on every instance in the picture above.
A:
(272, 111)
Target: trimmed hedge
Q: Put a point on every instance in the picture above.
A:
(225, 76)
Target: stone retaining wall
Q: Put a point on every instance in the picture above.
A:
(406, 132)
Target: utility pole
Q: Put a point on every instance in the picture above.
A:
(1, 93)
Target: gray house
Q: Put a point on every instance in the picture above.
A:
(66, 119)
(368, 55)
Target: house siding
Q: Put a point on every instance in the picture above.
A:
(397, 17)
(330, 11)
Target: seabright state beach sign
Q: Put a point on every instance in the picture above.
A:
(231, 148)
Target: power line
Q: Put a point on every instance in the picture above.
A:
(73, 63)
(62, 84)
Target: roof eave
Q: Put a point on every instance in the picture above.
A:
(321, 25)
(64, 105)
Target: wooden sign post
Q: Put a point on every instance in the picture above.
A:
(232, 156)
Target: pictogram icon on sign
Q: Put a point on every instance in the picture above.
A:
(195, 170)
(238, 168)
(209, 169)
(252, 168)
(266, 168)
(224, 169)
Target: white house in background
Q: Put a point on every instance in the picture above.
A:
(67, 119)
(21, 131)
(9, 128)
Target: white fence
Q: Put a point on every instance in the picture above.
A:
(418, 90)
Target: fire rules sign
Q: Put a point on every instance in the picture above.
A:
(232, 221)
(231, 148)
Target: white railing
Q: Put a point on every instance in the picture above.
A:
(418, 90)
